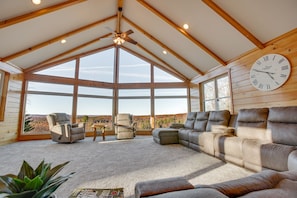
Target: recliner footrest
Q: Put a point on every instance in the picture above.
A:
(165, 136)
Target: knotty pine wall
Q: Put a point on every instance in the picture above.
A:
(8, 127)
(244, 94)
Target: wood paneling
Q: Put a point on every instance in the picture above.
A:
(244, 94)
(8, 127)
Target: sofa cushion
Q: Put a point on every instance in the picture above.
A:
(282, 121)
(256, 118)
(271, 156)
(218, 118)
(201, 121)
(292, 161)
(191, 116)
(251, 124)
(192, 193)
(285, 188)
(239, 187)
(154, 187)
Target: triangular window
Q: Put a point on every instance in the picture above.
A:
(66, 70)
(162, 76)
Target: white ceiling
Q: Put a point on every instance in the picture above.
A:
(153, 30)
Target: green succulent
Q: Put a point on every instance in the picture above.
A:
(30, 183)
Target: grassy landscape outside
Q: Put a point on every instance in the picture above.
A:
(39, 125)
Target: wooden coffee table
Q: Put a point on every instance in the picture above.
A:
(100, 126)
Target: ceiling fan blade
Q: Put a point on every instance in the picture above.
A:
(129, 32)
(128, 39)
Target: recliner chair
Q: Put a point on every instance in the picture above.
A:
(124, 126)
(62, 130)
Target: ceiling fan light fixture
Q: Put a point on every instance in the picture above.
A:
(118, 41)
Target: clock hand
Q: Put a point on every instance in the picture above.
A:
(256, 70)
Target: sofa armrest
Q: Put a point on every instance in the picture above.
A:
(176, 126)
(292, 160)
(154, 187)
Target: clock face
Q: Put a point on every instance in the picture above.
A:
(270, 72)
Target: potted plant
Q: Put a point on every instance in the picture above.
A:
(30, 183)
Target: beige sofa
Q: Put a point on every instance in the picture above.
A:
(262, 139)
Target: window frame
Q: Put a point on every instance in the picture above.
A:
(3, 92)
(217, 98)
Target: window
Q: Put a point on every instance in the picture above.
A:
(94, 105)
(4, 78)
(66, 70)
(97, 67)
(137, 102)
(216, 94)
(171, 106)
(133, 69)
(43, 99)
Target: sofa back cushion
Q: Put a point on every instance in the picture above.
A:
(201, 121)
(191, 116)
(251, 123)
(282, 121)
(218, 118)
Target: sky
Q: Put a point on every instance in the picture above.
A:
(99, 67)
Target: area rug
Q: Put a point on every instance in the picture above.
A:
(118, 163)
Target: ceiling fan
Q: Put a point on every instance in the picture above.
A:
(120, 37)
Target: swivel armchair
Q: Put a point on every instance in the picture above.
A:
(62, 130)
(124, 126)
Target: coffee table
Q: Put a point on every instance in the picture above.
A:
(100, 126)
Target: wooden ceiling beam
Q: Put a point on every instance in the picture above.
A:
(234, 23)
(181, 30)
(40, 65)
(38, 13)
(163, 45)
(170, 69)
(56, 39)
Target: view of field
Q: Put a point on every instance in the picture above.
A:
(37, 124)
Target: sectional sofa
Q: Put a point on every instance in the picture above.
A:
(263, 140)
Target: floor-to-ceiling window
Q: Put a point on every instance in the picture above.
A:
(96, 87)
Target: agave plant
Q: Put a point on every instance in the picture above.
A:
(30, 183)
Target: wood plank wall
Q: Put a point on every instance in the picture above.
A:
(244, 94)
(8, 128)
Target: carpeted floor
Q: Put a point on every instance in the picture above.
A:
(118, 163)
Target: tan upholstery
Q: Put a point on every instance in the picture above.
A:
(124, 126)
(62, 130)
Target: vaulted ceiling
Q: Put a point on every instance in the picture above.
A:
(219, 30)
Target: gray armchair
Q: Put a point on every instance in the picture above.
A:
(62, 130)
(124, 126)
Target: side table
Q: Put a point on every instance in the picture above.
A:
(100, 126)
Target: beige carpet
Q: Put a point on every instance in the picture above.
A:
(118, 163)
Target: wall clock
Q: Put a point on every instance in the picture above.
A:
(270, 72)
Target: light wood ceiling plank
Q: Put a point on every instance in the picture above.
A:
(234, 23)
(38, 13)
(56, 39)
(186, 34)
(163, 45)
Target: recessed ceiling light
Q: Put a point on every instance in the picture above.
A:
(164, 52)
(186, 26)
(63, 41)
(36, 2)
